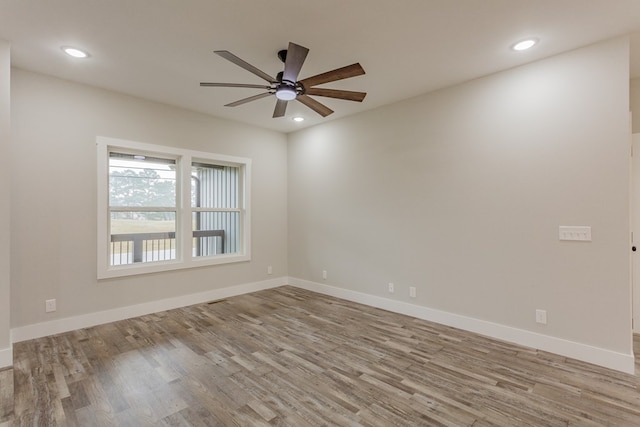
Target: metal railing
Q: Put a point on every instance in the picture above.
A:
(131, 248)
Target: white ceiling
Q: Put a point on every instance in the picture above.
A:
(162, 49)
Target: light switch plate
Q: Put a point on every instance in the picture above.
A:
(579, 233)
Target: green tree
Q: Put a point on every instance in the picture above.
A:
(143, 188)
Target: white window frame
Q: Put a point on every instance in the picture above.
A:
(184, 211)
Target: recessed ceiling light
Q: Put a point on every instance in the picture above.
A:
(524, 44)
(298, 119)
(76, 53)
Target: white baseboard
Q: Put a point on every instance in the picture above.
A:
(67, 324)
(598, 356)
(6, 357)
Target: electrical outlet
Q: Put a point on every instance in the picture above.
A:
(541, 317)
(412, 291)
(392, 288)
(324, 274)
(50, 305)
(269, 270)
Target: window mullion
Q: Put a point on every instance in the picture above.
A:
(185, 209)
(142, 209)
(216, 210)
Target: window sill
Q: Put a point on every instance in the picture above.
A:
(162, 266)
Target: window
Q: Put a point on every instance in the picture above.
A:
(142, 208)
(163, 208)
(215, 208)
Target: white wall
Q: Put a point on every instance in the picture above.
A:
(635, 103)
(53, 201)
(460, 193)
(635, 227)
(6, 355)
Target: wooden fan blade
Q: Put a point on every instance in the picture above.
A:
(241, 63)
(333, 75)
(316, 106)
(339, 94)
(296, 55)
(205, 84)
(249, 99)
(281, 107)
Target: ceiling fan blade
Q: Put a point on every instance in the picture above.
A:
(249, 99)
(205, 84)
(281, 107)
(296, 55)
(339, 94)
(316, 106)
(241, 63)
(333, 75)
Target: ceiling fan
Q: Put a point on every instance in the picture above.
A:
(286, 86)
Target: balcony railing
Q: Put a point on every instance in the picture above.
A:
(147, 247)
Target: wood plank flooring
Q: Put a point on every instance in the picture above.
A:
(289, 357)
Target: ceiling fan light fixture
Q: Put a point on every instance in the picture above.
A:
(286, 93)
(298, 119)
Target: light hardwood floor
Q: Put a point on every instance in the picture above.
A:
(289, 357)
